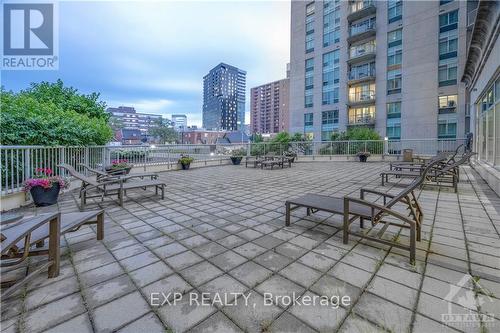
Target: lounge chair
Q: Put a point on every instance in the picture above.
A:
(398, 165)
(103, 174)
(354, 208)
(19, 237)
(111, 186)
(253, 160)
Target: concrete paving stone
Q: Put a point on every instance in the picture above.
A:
(231, 241)
(104, 292)
(80, 324)
(200, 273)
(100, 274)
(185, 314)
(273, 261)
(10, 325)
(283, 234)
(384, 313)
(320, 316)
(54, 313)
(317, 261)
(147, 274)
(425, 325)
(216, 234)
(94, 262)
(209, 250)
(252, 316)
(330, 251)
(129, 251)
(148, 323)
(249, 250)
(286, 323)
(183, 260)
(227, 260)
(51, 292)
(356, 324)
(250, 273)
(329, 286)
(393, 291)
(112, 316)
(357, 260)
(291, 250)
(224, 287)
(169, 285)
(268, 242)
(403, 276)
(169, 250)
(301, 274)
(249, 234)
(280, 290)
(304, 242)
(138, 261)
(217, 322)
(194, 241)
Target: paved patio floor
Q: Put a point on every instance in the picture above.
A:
(221, 231)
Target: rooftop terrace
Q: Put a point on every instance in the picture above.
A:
(222, 229)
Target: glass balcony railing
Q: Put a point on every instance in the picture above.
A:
(361, 50)
(362, 27)
(366, 119)
(356, 6)
(362, 96)
(361, 73)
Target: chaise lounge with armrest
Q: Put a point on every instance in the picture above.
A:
(111, 186)
(103, 174)
(25, 237)
(353, 208)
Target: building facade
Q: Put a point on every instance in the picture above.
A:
(482, 80)
(201, 136)
(224, 98)
(394, 66)
(269, 111)
(179, 121)
(126, 117)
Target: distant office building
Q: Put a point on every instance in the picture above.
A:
(179, 121)
(482, 80)
(394, 66)
(224, 98)
(269, 112)
(126, 117)
(200, 136)
(130, 136)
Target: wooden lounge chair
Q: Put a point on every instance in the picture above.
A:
(110, 186)
(103, 174)
(399, 165)
(354, 208)
(19, 237)
(253, 160)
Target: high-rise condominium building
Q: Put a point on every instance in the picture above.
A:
(179, 121)
(127, 117)
(224, 98)
(269, 107)
(394, 66)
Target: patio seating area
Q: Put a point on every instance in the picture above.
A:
(222, 230)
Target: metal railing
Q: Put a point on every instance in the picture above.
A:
(362, 96)
(361, 27)
(357, 73)
(18, 163)
(356, 6)
(361, 50)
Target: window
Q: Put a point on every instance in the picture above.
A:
(362, 115)
(395, 48)
(448, 44)
(310, 27)
(444, 2)
(394, 81)
(448, 21)
(308, 122)
(331, 23)
(363, 26)
(330, 90)
(447, 73)
(394, 10)
(393, 129)
(394, 110)
(362, 93)
(447, 126)
(362, 71)
(448, 104)
(309, 82)
(362, 49)
(329, 124)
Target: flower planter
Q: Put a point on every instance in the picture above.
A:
(118, 172)
(363, 158)
(236, 160)
(185, 166)
(45, 197)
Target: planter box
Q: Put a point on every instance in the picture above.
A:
(45, 197)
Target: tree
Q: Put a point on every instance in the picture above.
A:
(356, 133)
(50, 114)
(163, 130)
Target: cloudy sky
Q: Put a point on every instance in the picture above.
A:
(153, 55)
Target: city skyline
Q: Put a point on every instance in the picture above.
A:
(157, 68)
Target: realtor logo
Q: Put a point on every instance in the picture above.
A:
(29, 36)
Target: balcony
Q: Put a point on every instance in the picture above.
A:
(362, 31)
(360, 9)
(361, 120)
(362, 97)
(357, 75)
(362, 53)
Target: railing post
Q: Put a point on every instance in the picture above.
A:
(27, 163)
(145, 157)
(62, 157)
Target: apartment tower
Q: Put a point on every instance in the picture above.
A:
(224, 98)
(269, 112)
(388, 65)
